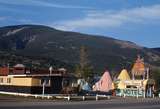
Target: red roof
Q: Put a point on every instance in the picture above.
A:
(4, 71)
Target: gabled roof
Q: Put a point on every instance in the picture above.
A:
(19, 65)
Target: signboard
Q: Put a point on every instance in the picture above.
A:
(134, 92)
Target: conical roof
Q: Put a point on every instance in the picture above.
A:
(121, 85)
(124, 75)
(138, 67)
(105, 83)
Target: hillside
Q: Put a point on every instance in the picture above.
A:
(61, 48)
(156, 49)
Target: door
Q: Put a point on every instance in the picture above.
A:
(56, 84)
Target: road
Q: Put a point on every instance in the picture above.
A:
(113, 103)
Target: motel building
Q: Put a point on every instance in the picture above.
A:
(19, 79)
(138, 85)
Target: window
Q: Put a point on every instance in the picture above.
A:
(1, 80)
(8, 80)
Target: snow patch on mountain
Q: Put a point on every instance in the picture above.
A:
(12, 32)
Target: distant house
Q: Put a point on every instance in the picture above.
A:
(19, 69)
(24, 80)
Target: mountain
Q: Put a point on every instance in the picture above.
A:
(156, 49)
(45, 45)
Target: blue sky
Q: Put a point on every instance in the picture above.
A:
(133, 20)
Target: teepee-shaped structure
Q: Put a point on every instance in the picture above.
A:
(124, 75)
(104, 84)
(138, 67)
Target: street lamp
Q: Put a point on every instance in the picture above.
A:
(50, 70)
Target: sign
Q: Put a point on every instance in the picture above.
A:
(133, 92)
(130, 92)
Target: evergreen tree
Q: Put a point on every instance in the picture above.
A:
(83, 70)
(155, 74)
(78, 71)
(83, 57)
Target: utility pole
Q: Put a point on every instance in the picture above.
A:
(44, 83)
(8, 68)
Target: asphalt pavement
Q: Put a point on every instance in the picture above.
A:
(113, 103)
